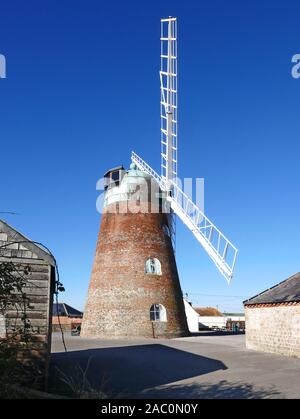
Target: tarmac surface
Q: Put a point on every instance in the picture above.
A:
(209, 365)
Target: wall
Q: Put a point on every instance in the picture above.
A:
(66, 323)
(2, 327)
(39, 290)
(38, 293)
(192, 317)
(273, 328)
(218, 321)
(120, 292)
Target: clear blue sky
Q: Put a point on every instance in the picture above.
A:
(82, 91)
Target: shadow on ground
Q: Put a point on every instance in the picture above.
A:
(129, 370)
(221, 390)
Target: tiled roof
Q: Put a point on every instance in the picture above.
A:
(65, 310)
(285, 291)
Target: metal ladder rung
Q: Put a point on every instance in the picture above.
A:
(169, 19)
(167, 104)
(165, 73)
(165, 132)
(164, 117)
(166, 56)
(168, 89)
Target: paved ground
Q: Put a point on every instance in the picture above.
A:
(205, 366)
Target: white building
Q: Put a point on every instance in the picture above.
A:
(192, 317)
(219, 322)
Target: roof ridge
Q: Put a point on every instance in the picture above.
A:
(66, 311)
(42, 252)
(272, 288)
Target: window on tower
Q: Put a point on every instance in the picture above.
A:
(153, 266)
(158, 313)
(115, 177)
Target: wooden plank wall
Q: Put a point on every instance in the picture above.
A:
(39, 289)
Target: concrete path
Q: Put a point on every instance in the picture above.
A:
(205, 366)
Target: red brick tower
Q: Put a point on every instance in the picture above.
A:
(134, 288)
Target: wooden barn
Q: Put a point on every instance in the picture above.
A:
(36, 267)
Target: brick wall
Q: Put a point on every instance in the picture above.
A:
(121, 293)
(274, 328)
(65, 322)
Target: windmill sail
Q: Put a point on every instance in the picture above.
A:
(168, 101)
(218, 247)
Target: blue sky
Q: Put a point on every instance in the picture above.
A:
(82, 91)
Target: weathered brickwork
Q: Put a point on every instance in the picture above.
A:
(65, 323)
(274, 328)
(121, 293)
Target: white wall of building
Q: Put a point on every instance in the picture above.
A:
(192, 317)
(218, 321)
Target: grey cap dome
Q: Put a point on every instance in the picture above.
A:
(133, 166)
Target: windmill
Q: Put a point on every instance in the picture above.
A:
(222, 252)
(134, 288)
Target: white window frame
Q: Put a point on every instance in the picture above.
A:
(158, 313)
(153, 266)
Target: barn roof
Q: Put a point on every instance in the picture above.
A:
(65, 310)
(208, 311)
(15, 236)
(285, 291)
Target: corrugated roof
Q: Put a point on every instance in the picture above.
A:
(285, 291)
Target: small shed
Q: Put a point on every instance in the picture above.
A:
(37, 268)
(273, 319)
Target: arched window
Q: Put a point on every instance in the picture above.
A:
(158, 313)
(153, 266)
(166, 230)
